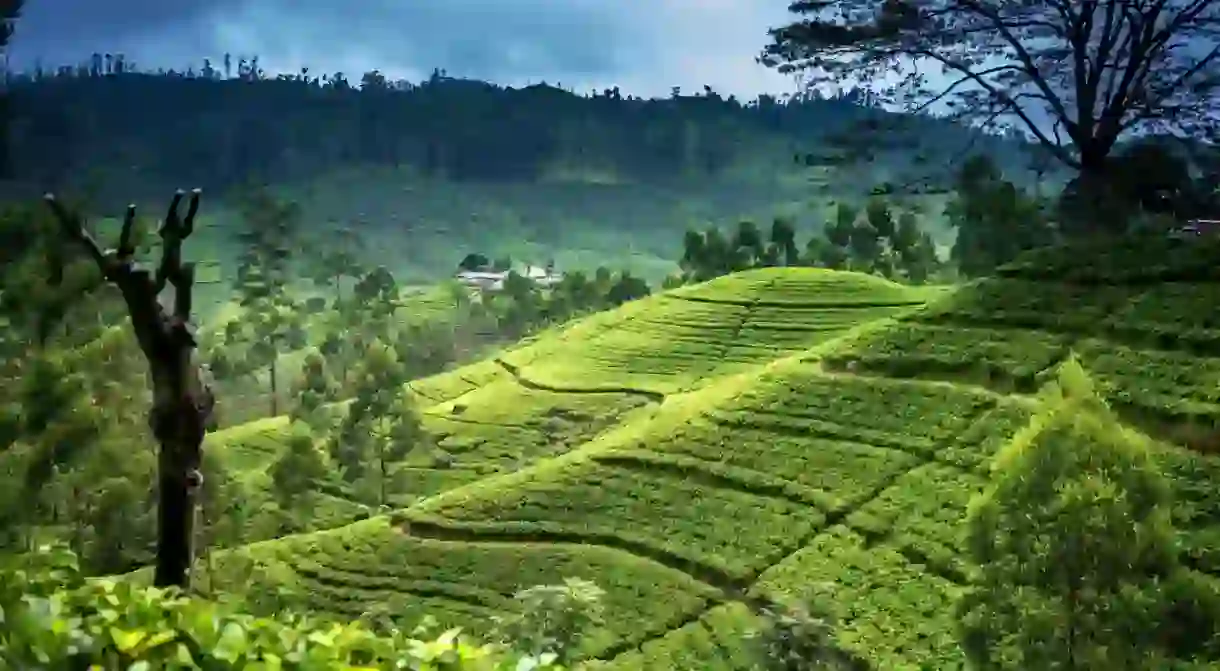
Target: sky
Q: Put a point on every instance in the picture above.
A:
(644, 47)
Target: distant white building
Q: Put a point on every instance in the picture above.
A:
(545, 277)
(1197, 228)
(482, 279)
(493, 280)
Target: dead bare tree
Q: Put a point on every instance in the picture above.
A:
(183, 403)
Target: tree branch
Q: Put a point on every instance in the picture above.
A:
(73, 227)
(1004, 98)
(1027, 63)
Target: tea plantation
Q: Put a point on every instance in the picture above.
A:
(775, 432)
(565, 386)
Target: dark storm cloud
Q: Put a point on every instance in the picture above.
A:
(63, 27)
(645, 47)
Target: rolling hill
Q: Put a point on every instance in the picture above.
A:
(795, 432)
(562, 388)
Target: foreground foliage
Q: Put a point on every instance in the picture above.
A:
(52, 619)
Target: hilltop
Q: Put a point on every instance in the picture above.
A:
(849, 447)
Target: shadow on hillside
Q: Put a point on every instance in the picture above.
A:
(1196, 432)
(992, 378)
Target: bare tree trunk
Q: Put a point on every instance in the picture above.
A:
(183, 403)
(174, 525)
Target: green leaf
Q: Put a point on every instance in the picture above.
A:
(232, 644)
(125, 640)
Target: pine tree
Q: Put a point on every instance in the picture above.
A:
(273, 321)
(382, 425)
(334, 257)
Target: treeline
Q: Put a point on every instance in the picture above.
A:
(1152, 188)
(877, 240)
(221, 125)
(994, 220)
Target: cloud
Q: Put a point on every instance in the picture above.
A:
(643, 47)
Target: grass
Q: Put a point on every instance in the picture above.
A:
(714, 467)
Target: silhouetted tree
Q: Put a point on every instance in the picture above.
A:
(1077, 76)
(783, 243)
(183, 403)
(10, 11)
(995, 221)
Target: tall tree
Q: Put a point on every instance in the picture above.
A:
(183, 403)
(1077, 75)
(10, 11)
(1073, 543)
(783, 242)
(994, 220)
(271, 231)
(334, 256)
(382, 424)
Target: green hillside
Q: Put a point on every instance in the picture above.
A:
(565, 386)
(850, 460)
(595, 386)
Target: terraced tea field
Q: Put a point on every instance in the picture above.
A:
(678, 340)
(569, 384)
(838, 466)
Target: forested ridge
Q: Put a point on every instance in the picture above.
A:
(103, 122)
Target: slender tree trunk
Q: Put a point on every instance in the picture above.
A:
(275, 386)
(343, 353)
(78, 526)
(381, 483)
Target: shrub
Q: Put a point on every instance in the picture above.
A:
(50, 618)
(799, 637)
(554, 620)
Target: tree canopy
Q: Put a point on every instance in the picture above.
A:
(1078, 75)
